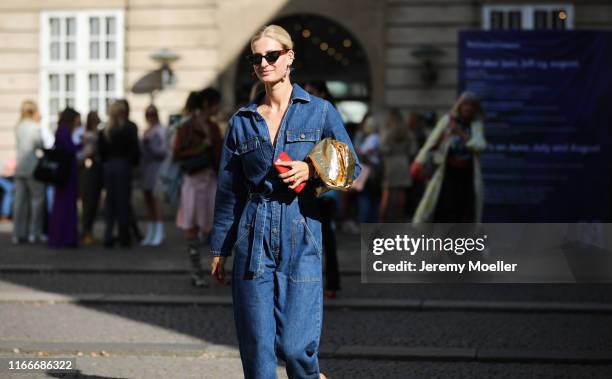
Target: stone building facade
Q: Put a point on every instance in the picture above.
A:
(86, 53)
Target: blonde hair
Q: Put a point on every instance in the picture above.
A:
(117, 117)
(29, 110)
(394, 127)
(277, 33)
(468, 97)
(371, 123)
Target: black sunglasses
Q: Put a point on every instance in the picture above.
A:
(271, 57)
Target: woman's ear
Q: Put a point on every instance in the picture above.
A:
(291, 55)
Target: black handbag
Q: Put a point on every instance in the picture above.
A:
(53, 167)
(195, 163)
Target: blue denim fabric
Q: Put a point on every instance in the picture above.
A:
(275, 235)
(7, 197)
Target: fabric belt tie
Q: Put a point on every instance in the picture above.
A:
(256, 261)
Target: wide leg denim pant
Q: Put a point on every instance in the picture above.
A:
(277, 289)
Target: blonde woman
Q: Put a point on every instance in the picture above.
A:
(198, 140)
(274, 231)
(29, 193)
(153, 149)
(454, 192)
(397, 145)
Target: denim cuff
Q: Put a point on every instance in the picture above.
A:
(217, 253)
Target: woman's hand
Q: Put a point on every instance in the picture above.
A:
(299, 172)
(217, 269)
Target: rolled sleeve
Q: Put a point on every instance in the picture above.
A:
(334, 128)
(229, 200)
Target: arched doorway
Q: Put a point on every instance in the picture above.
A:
(324, 50)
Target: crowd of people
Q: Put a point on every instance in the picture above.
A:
(111, 158)
(414, 168)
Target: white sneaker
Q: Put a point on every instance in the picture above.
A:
(147, 240)
(158, 234)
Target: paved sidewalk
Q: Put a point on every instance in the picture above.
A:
(170, 257)
(133, 314)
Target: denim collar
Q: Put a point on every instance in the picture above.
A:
(298, 93)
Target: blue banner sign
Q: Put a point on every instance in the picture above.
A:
(548, 102)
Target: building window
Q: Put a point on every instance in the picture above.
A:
(81, 61)
(62, 38)
(528, 17)
(102, 89)
(102, 38)
(61, 92)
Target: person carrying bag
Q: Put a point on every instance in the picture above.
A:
(194, 152)
(53, 166)
(197, 150)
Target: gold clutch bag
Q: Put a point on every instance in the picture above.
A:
(334, 164)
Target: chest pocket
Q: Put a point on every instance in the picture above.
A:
(300, 142)
(255, 157)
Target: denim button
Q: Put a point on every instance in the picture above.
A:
(302, 136)
(274, 230)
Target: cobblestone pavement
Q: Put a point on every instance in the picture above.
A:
(165, 338)
(214, 324)
(164, 283)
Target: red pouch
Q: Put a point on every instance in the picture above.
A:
(283, 156)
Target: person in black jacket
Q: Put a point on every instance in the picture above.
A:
(120, 152)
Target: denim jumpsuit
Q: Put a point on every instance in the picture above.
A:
(276, 236)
